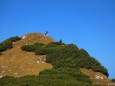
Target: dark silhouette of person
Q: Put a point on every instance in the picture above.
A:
(46, 33)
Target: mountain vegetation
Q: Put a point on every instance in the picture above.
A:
(8, 44)
(66, 55)
(113, 80)
(67, 59)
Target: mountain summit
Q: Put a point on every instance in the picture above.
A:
(16, 62)
(38, 60)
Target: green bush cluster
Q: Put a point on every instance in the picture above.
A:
(61, 55)
(63, 76)
(54, 44)
(32, 48)
(113, 80)
(71, 56)
(14, 39)
(7, 44)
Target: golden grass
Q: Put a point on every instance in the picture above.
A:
(18, 63)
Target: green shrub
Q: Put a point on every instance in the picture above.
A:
(5, 45)
(65, 74)
(113, 80)
(29, 48)
(71, 56)
(54, 44)
(40, 51)
(32, 48)
(14, 39)
(71, 46)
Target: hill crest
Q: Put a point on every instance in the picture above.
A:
(18, 63)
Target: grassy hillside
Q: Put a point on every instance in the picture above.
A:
(18, 63)
(71, 67)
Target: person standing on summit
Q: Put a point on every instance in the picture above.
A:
(46, 33)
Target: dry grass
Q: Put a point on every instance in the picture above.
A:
(18, 63)
(97, 77)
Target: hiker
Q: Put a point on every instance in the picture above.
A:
(46, 33)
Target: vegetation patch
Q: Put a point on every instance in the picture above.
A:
(8, 44)
(113, 80)
(66, 59)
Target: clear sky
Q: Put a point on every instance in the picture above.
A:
(90, 24)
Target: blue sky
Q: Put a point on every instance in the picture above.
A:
(90, 24)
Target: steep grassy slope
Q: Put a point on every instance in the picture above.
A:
(15, 62)
(67, 65)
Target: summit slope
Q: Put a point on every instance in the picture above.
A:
(17, 63)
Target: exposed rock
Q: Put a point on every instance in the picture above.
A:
(97, 77)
